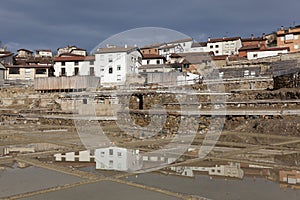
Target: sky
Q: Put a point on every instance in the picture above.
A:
(50, 24)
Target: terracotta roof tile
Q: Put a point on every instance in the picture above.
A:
(213, 40)
(74, 58)
(115, 49)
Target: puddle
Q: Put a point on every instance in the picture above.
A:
(16, 180)
(103, 190)
(210, 187)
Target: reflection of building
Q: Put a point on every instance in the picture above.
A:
(81, 156)
(116, 158)
(232, 170)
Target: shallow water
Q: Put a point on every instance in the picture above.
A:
(15, 180)
(218, 188)
(105, 190)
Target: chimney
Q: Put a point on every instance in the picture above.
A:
(208, 39)
(252, 36)
(263, 36)
(281, 28)
(125, 45)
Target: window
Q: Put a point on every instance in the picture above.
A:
(119, 154)
(111, 152)
(27, 71)
(110, 70)
(232, 44)
(211, 46)
(92, 62)
(217, 52)
(118, 67)
(14, 70)
(63, 71)
(296, 46)
(289, 37)
(76, 71)
(102, 153)
(92, 71)
(63, 63)
(217, 46)
(40, 71)
(119, 78)
(148, 62)
(157, 61)
(110, 59)
(111, 163)
(255, 55)
(76, 63)
(226, 45)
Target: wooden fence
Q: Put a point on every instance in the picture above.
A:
(66, 83)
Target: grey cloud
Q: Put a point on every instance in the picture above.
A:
(86, 23)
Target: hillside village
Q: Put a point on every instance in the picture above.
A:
(116, 108)
(185, 59)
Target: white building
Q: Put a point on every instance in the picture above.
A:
(71, 49)
(224, 46)
(116, 63)
(177, 46)
(252, 55)
(81, 156)
(153, 59)
(117, 158)
(43, 53)
(199, 47)
(75, 65)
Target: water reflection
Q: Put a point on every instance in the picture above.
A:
(131, 160)
(117, 158)
(232, 170)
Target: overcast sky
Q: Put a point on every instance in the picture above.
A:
(39, 24)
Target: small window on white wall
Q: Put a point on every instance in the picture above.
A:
(119, 78)
(27, 71)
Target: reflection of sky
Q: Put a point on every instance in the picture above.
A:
(16, 181)
(219, 188)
